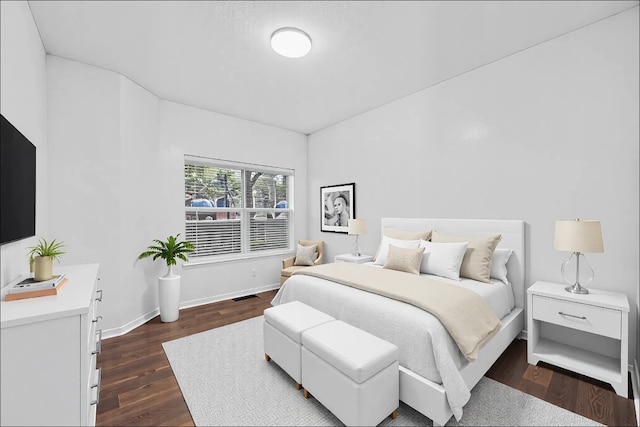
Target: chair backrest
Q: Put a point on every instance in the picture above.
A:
(320, 247)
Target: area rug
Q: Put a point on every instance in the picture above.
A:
(226, 380)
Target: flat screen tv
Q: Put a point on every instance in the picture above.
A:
(17, 184)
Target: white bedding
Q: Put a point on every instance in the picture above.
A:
(426, 348)
(498, 295)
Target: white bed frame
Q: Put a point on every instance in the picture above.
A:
(426, 396)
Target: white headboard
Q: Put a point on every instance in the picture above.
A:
(512, 232)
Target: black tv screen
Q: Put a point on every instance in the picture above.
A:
(17, 184)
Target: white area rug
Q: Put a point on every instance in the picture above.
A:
(226, 380)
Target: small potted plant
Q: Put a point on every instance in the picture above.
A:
(169, 285)
(41, 257)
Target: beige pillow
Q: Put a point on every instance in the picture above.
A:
(306, 255)
(403, 234)
(476, 263)
(404, 259)
(407, 234)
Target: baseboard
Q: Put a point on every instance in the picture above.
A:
(523, 335)
(635, 386)
(230, 295)
(116, 332)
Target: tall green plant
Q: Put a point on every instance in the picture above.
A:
(51, 249)
(169, 250)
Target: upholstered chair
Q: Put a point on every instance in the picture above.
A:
(288, 265)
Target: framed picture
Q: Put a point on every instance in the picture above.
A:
(338, 204)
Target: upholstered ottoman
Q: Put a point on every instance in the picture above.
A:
(283, 326)
(352, 373)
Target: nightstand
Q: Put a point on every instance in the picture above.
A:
(353, 258)
(561, 324)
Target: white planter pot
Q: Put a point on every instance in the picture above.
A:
(169, 296)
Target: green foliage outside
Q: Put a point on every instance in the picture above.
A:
(205, 182)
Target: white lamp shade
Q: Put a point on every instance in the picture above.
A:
(291, 42)
(578, 236)
(357, 226)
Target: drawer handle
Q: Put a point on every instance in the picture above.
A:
(97, 386)
(98, 349)
(100, 297)
(97, 319)
(572, 315)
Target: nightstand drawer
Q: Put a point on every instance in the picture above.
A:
(597, 320)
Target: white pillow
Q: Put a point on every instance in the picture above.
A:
(499, 264)
(443, 259)
(383, 253)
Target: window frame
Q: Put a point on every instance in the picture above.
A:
(244, 218)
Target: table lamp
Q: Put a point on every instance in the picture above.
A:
(357, 227)
(578, 237)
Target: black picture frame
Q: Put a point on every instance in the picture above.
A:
(337, 206)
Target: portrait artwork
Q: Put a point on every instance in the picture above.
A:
(338, 206)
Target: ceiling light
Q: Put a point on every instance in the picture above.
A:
(291, 42)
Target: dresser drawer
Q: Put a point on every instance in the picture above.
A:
(588, 318)
(93, 319)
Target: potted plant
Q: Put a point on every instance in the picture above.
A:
(41, 257)
(169, 285)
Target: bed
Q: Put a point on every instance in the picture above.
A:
(434, 378)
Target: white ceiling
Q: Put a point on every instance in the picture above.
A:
(216, 55)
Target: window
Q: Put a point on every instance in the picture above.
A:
(236, 209)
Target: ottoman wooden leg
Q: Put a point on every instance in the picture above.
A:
(266, 357)
(394, 414)
(298, 386)
(305, 393)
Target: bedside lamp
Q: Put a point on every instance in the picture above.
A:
(578, 237)
(357, 227)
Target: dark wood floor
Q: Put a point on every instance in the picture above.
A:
(139, 388)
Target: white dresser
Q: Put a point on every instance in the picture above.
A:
(49, 350)
(599, 317)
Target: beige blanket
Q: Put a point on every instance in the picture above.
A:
(464, 314)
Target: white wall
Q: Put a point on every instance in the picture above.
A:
(548, 133)
(85, 171)
(142, 204)
(24, 104)
(188, 130)
(119, 155)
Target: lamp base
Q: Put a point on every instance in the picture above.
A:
(576, 289)
(355, 251)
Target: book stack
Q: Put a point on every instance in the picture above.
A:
(29, 288)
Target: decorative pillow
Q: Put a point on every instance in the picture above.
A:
(499, 264)
(476, 263)
(443, 259)
(404, 259)
(403, 234)
(306, 255)
(381, 257)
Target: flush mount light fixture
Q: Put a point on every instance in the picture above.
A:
(291, 42)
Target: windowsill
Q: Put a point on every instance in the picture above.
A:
(235, 257)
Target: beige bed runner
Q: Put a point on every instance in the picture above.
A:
(464, 314)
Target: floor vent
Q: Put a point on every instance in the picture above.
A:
(245, 297)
